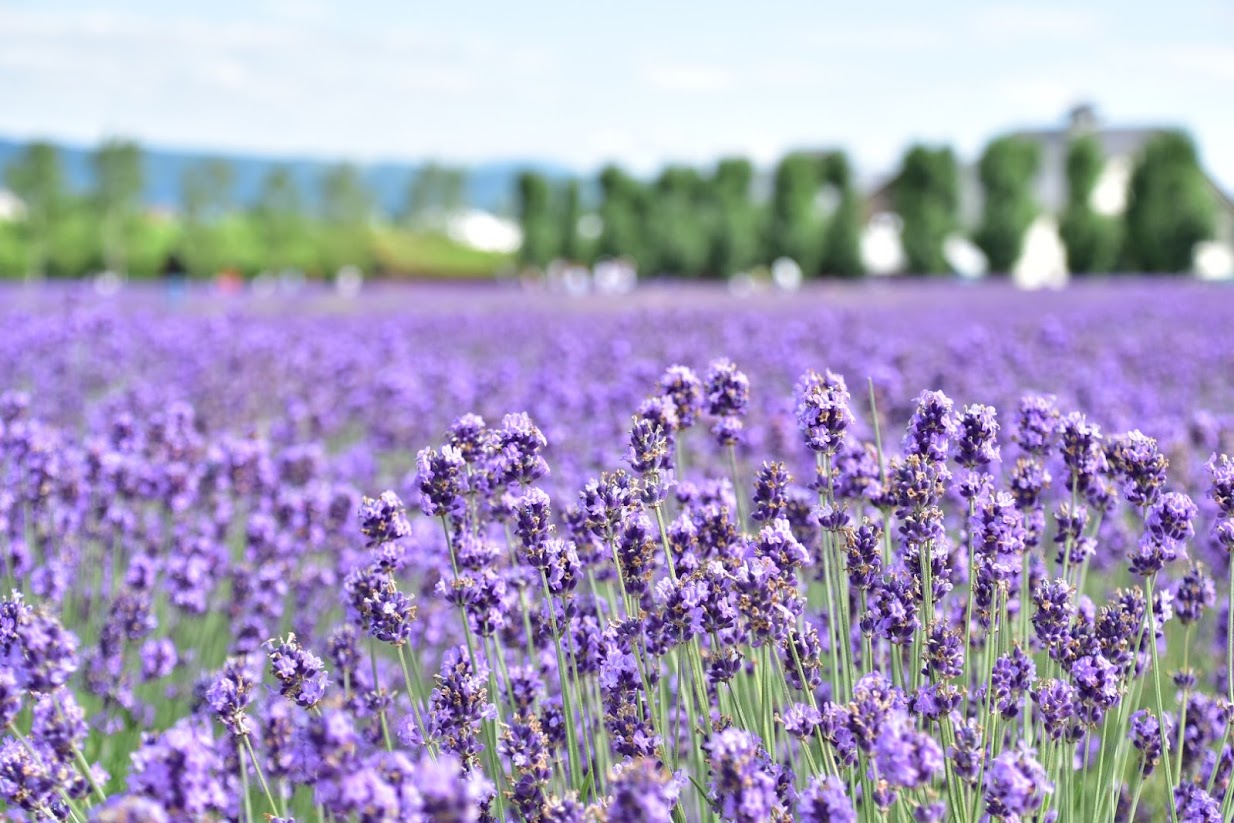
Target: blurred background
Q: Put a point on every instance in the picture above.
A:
(587, 149)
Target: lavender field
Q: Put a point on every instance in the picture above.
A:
(901, 553)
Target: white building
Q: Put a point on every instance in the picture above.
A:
(1043, 261)
(11, 206)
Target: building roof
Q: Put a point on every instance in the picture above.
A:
(1116, 143)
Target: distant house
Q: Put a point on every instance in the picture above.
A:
(11, 206)
(1044, 260)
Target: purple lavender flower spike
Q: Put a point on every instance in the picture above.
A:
(642, 792)
(301, 674)
(825, 801)
(1016, 785)
(823, 413)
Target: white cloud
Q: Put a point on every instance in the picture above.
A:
(372, 81)
(691, 79)
(1211, 62)
(1041, 96)
(1016, 22)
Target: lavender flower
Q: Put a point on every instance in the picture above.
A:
(1192, 804)
(743, 787)
(1146, 736)
(458, 703)
(1096, 682)
(520, 443)
(650, 450)
(823, 414)
(230, 694)
(931, 428)
(182, 771)
(1134, 457)
(903, 756)
(642, 792)
(301, 674)
(1055, 701)
(1016, 785)
(10, 698)
(727, 390)
(59, 723)
(449, 793)
(770, 488)
(525, 745)
(825, 801)
(943, 658)
(977, 441)
(1013, 675)
(1054, 609)
(1037, 424)
(441, 478)
(391, 614)
(1169, 518)
(158, 658)
(681, 385)
(383, 520)
(26, 783)
(40, 651)
(1193, 594)
(130, 809)
(801, 721)
(968, 753)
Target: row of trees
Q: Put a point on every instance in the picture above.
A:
(691, 223)
(319, 229)
(687, 222)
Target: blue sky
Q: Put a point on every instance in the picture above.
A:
(639, 82)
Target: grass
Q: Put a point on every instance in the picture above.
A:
(433, 254)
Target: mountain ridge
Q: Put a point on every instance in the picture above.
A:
(490, 184)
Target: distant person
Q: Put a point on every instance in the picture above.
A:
(229, 282)
(175, 277)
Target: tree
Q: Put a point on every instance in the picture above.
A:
(117, 192)
(1091, 239)
(1006, 169)
(37, 177)
(205, 197)
(675, 228)
(622, 208)
(435, 190)
(841, 253)
(1170, 206)
(535, 218)
(347, 207)
(735, 227)
(571, 212)
(279, 220)
(794, 229)
(926, 197)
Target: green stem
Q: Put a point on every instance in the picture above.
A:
(1152, 645)
(80, 759)
(381, 711)
(732, 466)
(1182, 711)
(265, 787)
(244, 785)
(413, 695)
(1135, 800)
(563, 676)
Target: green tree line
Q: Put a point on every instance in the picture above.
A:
(62, 233)
(687, 222)
(711, 223)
